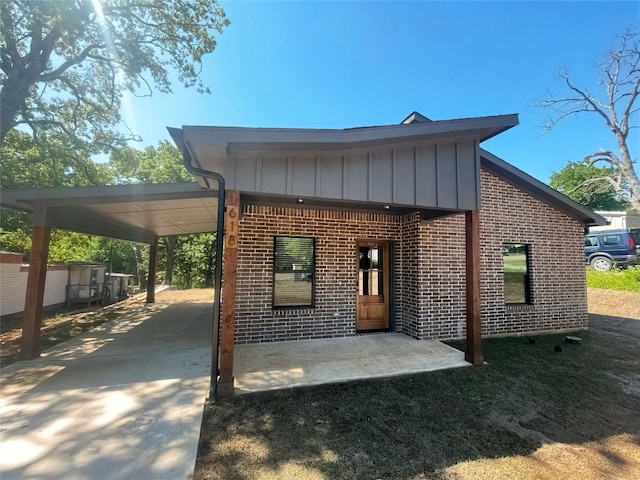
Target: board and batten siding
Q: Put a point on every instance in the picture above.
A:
(444, 175)
(13, 285)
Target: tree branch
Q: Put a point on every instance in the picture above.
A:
(55, 74)
(602, 156)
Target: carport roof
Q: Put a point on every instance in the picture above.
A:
(139, 213)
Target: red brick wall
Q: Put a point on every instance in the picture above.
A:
(428, 278)
(558, 284)
(336, 234)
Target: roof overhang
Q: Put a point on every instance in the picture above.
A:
(210, 146)
(139, 213)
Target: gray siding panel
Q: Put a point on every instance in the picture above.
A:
(426, 175)
(330, 177)
(381, 176)
(229, 173)
(245, 174)
(468, 175)
(404, 176)
(303, 176)
(447, 182)
(357, 181)
(274, 175)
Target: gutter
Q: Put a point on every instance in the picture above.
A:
(215, 331)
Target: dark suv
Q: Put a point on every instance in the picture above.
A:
(604, 248)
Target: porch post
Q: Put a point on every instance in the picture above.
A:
(230, 268)
(32, 317)
(151, 277)
(473, 353)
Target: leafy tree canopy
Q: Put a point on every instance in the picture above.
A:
(161, 164)
(55, 163)
(582, 182)
(65, 64)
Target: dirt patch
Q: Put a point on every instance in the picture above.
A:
(615, 303)
(194, 295)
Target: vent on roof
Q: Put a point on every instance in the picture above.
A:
(415, 117)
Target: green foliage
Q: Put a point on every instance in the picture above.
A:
(71, 246)
(17, 241)
(117, 253)
(579, 181)
(627, 279)
(66, 65)
(48, 163)
(51, 162)
(161, 164)
(195, 258)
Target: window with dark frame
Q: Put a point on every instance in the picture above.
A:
(517, 282)
(293, 271)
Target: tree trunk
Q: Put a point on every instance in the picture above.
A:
(13, 94)
(141, 271)
(210, 268)
(170, 245)
(629, 173)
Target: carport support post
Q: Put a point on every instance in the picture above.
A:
(473, 353)
(151, 277)
(32, 317)
(229, 272)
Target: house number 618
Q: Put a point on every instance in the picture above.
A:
(232, 226)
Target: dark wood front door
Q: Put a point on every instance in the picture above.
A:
(372, 301)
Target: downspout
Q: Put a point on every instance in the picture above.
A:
(186, 155)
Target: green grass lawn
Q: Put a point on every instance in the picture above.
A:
(626, 279)
(415, 427)
(515, 269)
(515, 262)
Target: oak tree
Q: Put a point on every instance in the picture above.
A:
(65, 64)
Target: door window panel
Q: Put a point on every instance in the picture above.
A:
(370, 274)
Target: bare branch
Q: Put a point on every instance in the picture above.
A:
(602, 156)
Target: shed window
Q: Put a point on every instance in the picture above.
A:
(517, 282)
(293, 271)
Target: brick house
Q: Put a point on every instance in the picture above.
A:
(410, 228)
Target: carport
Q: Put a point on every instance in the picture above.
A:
(137, 213)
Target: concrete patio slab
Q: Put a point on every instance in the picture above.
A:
(122, 401)
(277, 365)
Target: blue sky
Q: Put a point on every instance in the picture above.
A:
(349, 64)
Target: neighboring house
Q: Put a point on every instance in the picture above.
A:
(13, 284)
(381, 213)
(86, 284)
(618, 220)
(66, 284)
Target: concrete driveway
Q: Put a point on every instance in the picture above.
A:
(122, 401)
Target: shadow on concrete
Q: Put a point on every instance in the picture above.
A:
(121, 401)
